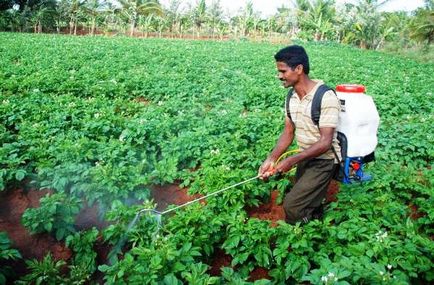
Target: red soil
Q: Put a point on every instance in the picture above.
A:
(273, 212)
(332, 191)
(269, 211)
(170, 194)
(13, 203)
(414, 212)
(88, 218)
(219, 260)
(142, 100)
(259, 273)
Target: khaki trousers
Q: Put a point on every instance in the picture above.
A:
(312, 180)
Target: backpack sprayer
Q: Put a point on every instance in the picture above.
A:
(357, 131)
(357, 128)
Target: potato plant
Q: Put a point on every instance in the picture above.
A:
(104, 119)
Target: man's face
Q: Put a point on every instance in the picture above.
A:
(288, 76)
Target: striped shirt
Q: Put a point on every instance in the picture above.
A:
(306, 132)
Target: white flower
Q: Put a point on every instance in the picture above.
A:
(389, 266)
(97, 115)
(160, 103)
(381, 273)
(36, 90)
(330, 277)
(122, 137)
(381, 236)
(215, 151)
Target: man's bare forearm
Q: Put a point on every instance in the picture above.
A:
(281, 146)
(284, 141)
(315, 150)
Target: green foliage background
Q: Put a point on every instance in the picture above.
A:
(103, 119)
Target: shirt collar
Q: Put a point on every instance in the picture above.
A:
(309, 96)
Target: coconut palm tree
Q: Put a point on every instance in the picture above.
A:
(395, 29)
(133, 8)
(315, 17)
(93, 9)
(199, 16)
(247, 18)
(42, 14)
(422, 25)
(146, 24)
(215, 16)
(173, 16)
(74, 9)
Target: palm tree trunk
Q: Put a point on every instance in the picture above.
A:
(133, 23)
(71, 26)
(92, 31)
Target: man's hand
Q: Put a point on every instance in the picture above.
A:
(267, 169)
(286, 165)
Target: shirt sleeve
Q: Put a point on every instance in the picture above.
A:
(329, 110)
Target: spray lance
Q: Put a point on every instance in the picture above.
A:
(112, 256)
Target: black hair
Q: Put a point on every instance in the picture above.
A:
(293, 56)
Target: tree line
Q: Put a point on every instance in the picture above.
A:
(362, 24)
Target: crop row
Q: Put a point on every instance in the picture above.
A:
(104, 119)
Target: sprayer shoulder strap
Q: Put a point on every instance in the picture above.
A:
(315, 111)
(288, 98)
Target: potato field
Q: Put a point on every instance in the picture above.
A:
(95, 129)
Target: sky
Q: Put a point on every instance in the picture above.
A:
(269, 7)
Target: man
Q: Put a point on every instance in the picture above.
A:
(316, 162)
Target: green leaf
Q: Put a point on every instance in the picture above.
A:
(48, 227)
(170, 279)
(179, 267)
(20, 174)
(60, 233)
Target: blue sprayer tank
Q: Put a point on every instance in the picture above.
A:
(358, 121)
